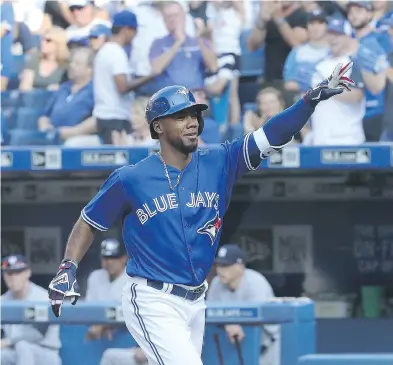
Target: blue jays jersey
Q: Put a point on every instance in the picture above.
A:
(172, 236)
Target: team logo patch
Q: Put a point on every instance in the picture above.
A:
(213, 226)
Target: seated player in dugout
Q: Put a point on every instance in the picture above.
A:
(171, 206)
(235, 283)
(26, 344)
(106, 284)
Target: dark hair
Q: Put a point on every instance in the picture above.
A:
(116, 29)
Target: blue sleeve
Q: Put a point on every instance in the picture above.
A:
(51, 102)
(290, 66)
(108, 204)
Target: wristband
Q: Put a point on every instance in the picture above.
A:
(72, 262)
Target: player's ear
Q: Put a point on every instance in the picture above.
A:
(157, 127)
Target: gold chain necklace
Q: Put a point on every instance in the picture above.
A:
(167, 174)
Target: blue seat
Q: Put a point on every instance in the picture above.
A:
(27, 118)
(220, 106)
(346, 359)
(37, 98)
(251, 62)
(8, 115)
(9, 98)
(18, 64)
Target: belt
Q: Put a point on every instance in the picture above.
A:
(179, 291)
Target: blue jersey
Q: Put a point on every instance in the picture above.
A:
(172, 236)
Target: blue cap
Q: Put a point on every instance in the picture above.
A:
(14, 263)
(340, 26)
(99, 29)
(111, 247)
(229, 255)
(80, 41)
(125, 18)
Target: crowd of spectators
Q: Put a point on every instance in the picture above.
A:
(78, 72)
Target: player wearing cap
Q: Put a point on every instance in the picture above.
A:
(26, 344)
(235, 283)
(107, 283)
(171, 206)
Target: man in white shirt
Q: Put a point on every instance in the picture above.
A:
(236, 283)
(340, 120)
(84, 18)
(113, 84)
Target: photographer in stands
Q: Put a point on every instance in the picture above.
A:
(26, 344)
(235, 283)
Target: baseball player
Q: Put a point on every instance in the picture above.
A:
(107, 283)
(235, 283)
(26, 344)
(171, 207)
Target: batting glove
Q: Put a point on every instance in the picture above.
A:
(333, 85)
(63, 285)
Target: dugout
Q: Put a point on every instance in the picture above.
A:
(310, 217)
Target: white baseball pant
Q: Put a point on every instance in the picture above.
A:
(169, 329)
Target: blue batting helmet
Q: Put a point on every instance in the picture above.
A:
(170, 100)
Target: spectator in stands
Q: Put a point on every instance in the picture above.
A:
(381, 12)
(372, 60)
(7, 38)
(113, 83)
(84, 18)
(300, 63)
(26, 344)
(235, 283)
(225, 23)
(280, 26)
(59, 13)
(211, 131)
(46, 69)
(30, 13)
(99, 34)
(387, 122)
(269, 103)
(151, 26)
(179, 58)
(70, 110)
(339, 120)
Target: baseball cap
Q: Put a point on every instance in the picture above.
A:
(111, 247)
(79, 3)
(14, 263)
(230, 254)
(362, 4)
(318, 15)
(125, 18)
(99, 29)
(340, 26)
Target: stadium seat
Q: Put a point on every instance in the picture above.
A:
(251, 62)
(220, 106)
(9, 98)
(26, 118)
(18, 63)
(36, 98)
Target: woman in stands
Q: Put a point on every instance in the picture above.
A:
(46, 69)
(269, 102)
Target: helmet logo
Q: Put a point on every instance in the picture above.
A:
(183, 91)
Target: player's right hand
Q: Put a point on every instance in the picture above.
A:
(63, 285)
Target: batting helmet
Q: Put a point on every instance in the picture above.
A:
(170, 100)
(112, 248)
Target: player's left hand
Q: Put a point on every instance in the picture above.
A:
(63, 285)
(333, 85)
